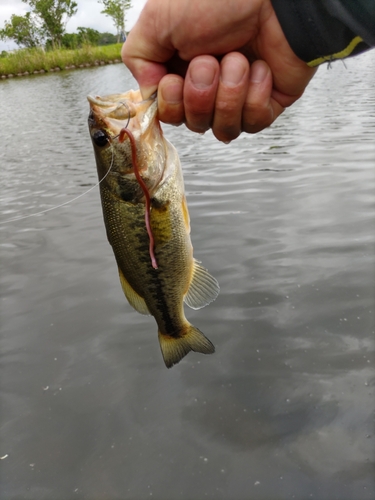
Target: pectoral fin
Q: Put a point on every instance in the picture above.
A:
(134, 299)
(203, 288)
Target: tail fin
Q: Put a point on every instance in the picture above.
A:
(174, 349)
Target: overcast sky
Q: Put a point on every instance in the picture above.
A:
(88, 16)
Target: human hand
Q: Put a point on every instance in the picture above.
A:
(220, 64)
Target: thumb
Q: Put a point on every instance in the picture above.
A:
(148, 74)
(145, 59)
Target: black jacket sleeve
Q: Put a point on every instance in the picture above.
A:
(323, 30)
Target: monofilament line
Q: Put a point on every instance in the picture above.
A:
(14, 219)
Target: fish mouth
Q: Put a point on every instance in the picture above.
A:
(117, 111)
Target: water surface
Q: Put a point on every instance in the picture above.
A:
(285, 220)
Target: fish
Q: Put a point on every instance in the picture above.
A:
(147, 220)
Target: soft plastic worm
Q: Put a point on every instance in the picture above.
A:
(121, 137)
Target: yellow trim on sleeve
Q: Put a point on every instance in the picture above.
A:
(339, 55)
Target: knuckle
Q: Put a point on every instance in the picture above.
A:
(229, 100)
(223, 106)
(199, 102)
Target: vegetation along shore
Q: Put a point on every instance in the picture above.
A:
(25, 62)
(46, 46)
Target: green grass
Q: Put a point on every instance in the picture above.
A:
(37, 59)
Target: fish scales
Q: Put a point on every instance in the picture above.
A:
(178, 277)
(129, 239)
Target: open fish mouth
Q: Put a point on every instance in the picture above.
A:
(123, 109)
(118, 111)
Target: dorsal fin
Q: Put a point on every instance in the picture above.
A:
(203, 288)
(134, 299)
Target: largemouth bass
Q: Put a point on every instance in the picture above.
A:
(147, 220)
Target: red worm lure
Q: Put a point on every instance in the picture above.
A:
(121, 138)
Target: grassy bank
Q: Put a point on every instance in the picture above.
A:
(28, 61)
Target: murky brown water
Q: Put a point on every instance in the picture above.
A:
(285, 220)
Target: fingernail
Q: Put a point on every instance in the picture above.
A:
(258, 73)
(172, 94)
(202, 76)
(232, 73)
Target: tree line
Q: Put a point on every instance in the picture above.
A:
(45, 25)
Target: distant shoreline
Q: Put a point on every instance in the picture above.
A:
(26, 62)
(72, 66)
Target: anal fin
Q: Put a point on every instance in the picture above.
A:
(134, 299)
(203, 288)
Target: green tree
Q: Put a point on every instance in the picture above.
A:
(69, 40)
(88, 36)
(46, 21)
(23, 30)
(53, 16)
(107, 39)
(116, 9)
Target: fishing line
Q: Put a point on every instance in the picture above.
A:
(14, 219)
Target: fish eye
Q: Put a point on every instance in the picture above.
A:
(100, 138)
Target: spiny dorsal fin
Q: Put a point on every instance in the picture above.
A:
(134, 299)
(175, 348)
(203, 288)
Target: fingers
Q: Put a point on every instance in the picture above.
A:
(260, 110)
(170, 100)
(190, 100)
(229, 97)
(201, 82)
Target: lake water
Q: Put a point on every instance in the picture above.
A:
(285, 220)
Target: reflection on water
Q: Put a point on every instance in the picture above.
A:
(284, 220)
